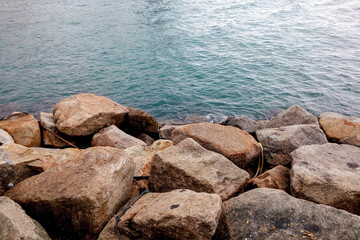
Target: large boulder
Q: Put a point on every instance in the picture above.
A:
(243, 122)
(327, 174)
(60, 156)
(74, 200)
(235, 144)
(138, 122)
(23, 128)
(180, 214)
(340, 128)
(278, 143)
(114, 137)
(18, 163)
(189, 165)
(15, 224)
(5, 137)
(294, 115)
(272, 214)
(84, 114)
(166, 130)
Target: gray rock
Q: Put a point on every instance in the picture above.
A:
(114, 137)
(340, 128)
(5, 137)
(188, 165)
(278, 143)
(180, 214)
(166, 130)
(327, 174)
(265, 213)
(15, 224)
(243, 122)
(294, 115)
(262, 123)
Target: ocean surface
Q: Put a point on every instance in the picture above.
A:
(175, 58)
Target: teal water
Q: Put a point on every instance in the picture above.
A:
(175, 58)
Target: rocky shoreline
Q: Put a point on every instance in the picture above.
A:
(94, 169)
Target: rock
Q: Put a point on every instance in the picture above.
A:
(85, 114)
(294, 115)
(235, 144)
(23, 128)
(60, 156)
(243, 122)
(180, 214)
(5, 137)
(262, 124)
(278, 143)
(166, 130)
(340, 128)
(138, 122)
(74, 200)
(18, 163)
(277, 177)
(265, 213)
(146, 139)
(15, 224)
(327, 174)
(189, 165)
(114, 137)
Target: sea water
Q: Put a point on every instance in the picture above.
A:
(174, 58)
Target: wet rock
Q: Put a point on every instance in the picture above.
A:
(189, 165)
(114, 137)
(18, 163)
(166, 130)
(277, 177)
(180, 214)
(23, 128)
(265, 213)
(243, 122)
(327, 174)
(294, 115)
(74, 200)
(138, 122)
(15, 224)
(5, 137)
(340, 128)
(146, 139)
(60, 156)
(235, 144)
(84, 114)
(278, 143)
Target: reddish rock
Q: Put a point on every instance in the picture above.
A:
(277, 177)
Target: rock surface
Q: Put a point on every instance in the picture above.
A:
(114, 137)
(138, 122)
(327, 174)
(75, 199)
(294, 115)
(277, 177)
(180, 214)
(84, 114)
(188, 165)
(278, 143)
(18, 163)
(243, 122)
(60, 156)
(235, 144)
(5, 137)
(15, 224)
(265, 213)
(340, 128)
(23, 128)
(146, 139)
(166, 130)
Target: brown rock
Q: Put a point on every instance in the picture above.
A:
(114, 137)
(166, 130)
(146, 139)
(139, 122)
(23, 128)
(277, 177)
(340, 128)
(74, 200)
(180, 214)
(84, 114)
(60, 156)
(188, 165)
(243, 122)
(235, 144)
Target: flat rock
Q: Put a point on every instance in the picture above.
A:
(5, 137)
(114, 137)
(60, 156)
(85, 114)
(243, 122)
(18, 163)
(272, 214)
(166, 130)
(139, 121)
(180, 214)
(74, 200)
(278, 143)
(294, 115)
(277, 177)
(340, 128)
(327, 174)
(189, 165)
(15, 224)
(237, 145)
(23, 128)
